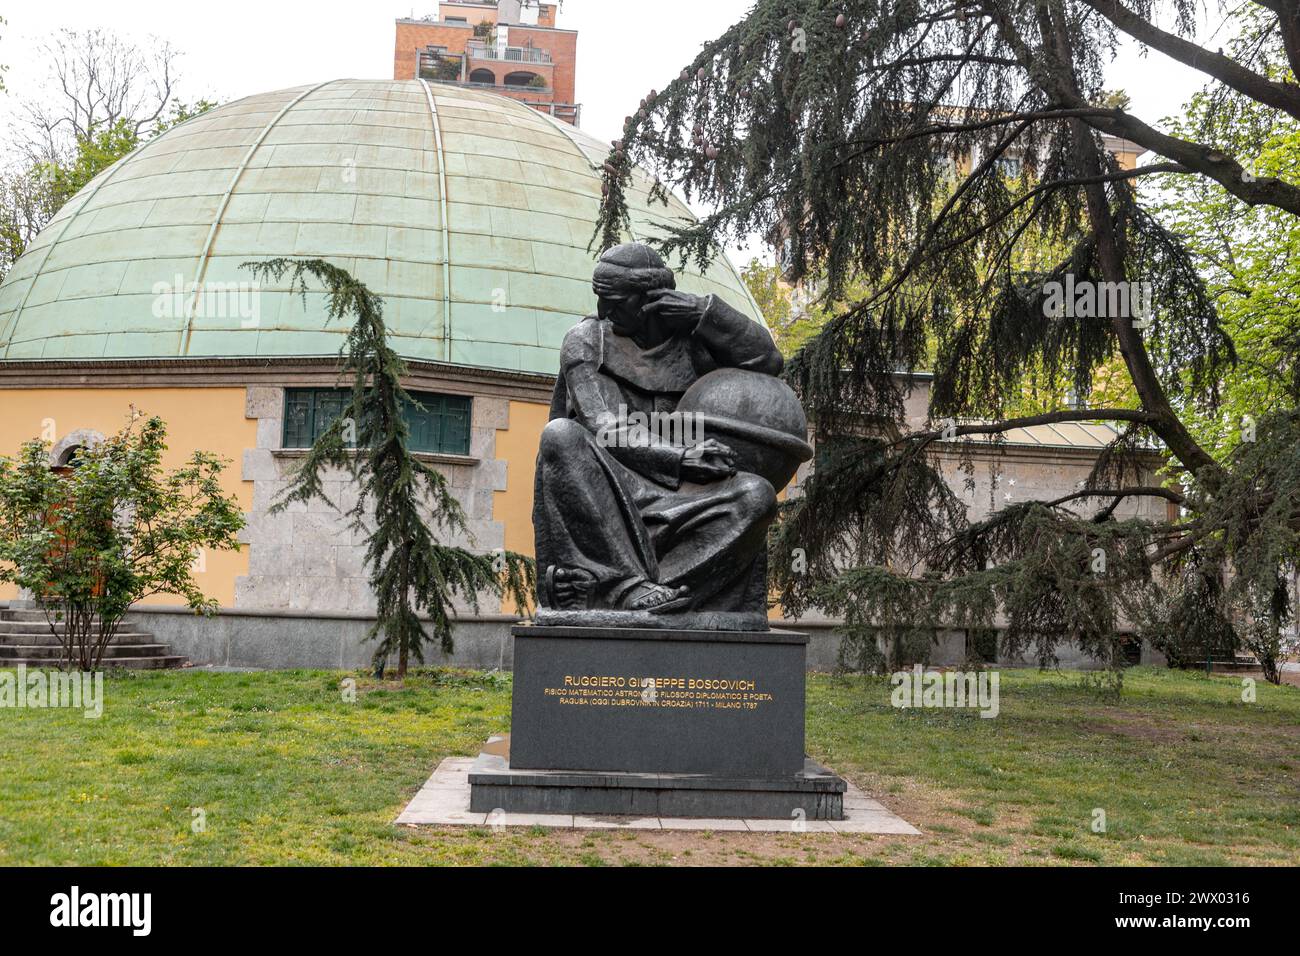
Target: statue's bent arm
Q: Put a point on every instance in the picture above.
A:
(735, 341)
(594, 400)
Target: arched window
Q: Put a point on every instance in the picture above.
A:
(70, 458)
(483, 76)
(524, 78)
(66, 451)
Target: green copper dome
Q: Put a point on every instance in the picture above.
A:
(468, 212)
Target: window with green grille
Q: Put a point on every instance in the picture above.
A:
(437, 423)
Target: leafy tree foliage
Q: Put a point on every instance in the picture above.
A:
(104, 97)
(1248, 254)
(840, 126)
(403, 501)
(772, 294)
(30, 195)
(92, 540)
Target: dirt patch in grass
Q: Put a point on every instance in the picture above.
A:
(671, 847)
(1136, 728)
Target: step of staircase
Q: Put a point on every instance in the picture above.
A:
(41, 627)
(159, 662)
(121, 637)
(26, 638)
(35, 624)
(54, 651)
(22, 614)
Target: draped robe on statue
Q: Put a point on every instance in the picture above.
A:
(618, 507)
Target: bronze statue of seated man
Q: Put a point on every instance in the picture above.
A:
(628, 518)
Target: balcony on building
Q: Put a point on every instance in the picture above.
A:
(522, 73)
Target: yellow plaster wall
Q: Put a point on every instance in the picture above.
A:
(517, 446)
(211, 419)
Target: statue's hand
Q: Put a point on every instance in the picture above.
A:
(678, 311)
(710, 460)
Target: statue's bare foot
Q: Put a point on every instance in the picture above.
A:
(657, 598)
(569, 588)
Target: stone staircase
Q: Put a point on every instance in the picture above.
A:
(1241, 661)
(25, 638)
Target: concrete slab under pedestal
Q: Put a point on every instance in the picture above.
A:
(445, 801)
(814, 793)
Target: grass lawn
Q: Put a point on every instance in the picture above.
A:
(287, 771)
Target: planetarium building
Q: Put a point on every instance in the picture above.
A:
(469, 213)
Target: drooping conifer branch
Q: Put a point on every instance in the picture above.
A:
(404, 506)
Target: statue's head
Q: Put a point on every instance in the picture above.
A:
(622, 278)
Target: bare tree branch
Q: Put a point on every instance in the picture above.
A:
(101, 79)
(1282, 96)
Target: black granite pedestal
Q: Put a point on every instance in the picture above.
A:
(657, 722)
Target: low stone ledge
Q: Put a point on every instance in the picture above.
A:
(432, 458)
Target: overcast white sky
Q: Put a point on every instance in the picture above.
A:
(237, 47)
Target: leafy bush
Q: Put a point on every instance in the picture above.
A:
(114, 529)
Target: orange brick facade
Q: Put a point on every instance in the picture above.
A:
(537, 66)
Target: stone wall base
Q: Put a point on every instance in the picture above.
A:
(281, 640)
(294, 639)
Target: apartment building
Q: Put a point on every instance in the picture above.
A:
(511, 47)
